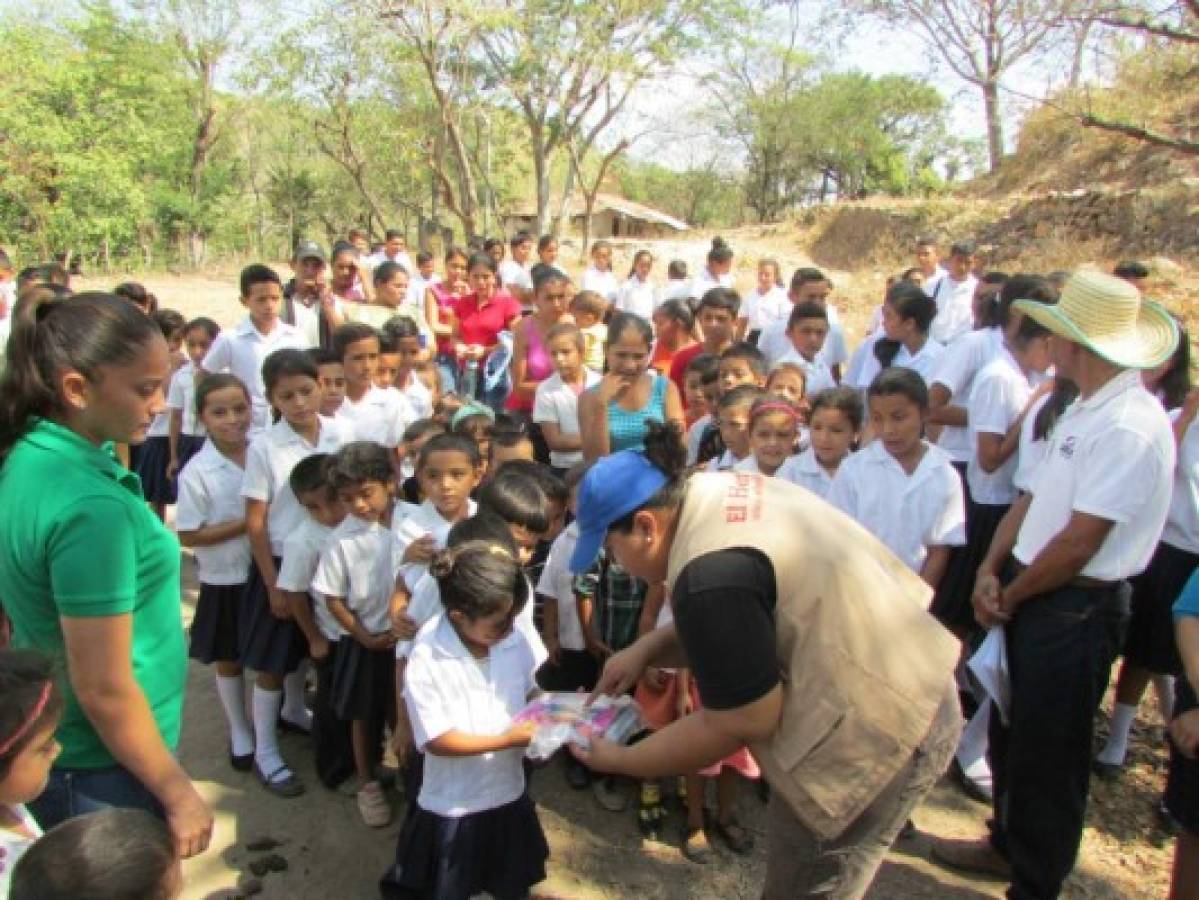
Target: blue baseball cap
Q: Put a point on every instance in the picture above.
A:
(612, 488)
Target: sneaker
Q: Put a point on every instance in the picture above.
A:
(376, 811)
(978, 856)
(610, 794)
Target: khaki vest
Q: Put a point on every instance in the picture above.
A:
(864, 666)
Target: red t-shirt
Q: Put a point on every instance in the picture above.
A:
(483, 326)
(678, 367)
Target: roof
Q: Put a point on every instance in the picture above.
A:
(607, 202)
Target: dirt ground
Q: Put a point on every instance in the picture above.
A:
(328, 852)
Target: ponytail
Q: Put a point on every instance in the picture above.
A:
(1063, 394)
(52, 335)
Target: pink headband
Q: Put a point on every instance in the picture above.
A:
(34, 715)
(773, 406)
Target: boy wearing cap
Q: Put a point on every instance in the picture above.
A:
(307, 301)
(1091, 520)
(954, 295)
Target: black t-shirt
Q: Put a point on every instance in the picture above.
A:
(724, 613)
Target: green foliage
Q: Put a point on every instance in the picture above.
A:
(702, 196)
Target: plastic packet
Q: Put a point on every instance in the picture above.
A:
(563, 718)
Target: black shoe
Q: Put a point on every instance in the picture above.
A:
(578, 776)
(242, 763)
(1107, 771)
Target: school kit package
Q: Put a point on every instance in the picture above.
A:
(565, 718)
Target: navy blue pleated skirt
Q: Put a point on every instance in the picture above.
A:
(268, 644)
(499, 851)
(1149, 641)
(215, 631)
(953, 603)
(151, 467)
(364, 681)
(1182, 785)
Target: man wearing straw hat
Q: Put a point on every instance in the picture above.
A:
(1065, 550)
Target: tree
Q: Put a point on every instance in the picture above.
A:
(983, 40)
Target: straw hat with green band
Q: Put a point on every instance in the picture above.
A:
(1106, 315)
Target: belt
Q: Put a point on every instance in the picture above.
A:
(1078, 581)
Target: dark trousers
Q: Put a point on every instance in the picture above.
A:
(1061, 646)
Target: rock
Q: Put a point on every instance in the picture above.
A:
(262, 844)
(248, 887)
(272, 862)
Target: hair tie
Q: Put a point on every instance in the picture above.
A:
(34, 715)
(774, 406)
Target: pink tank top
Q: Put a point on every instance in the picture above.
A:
(538, 367)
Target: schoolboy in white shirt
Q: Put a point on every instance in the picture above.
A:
(379, 415)
(807, 331)
(954, 295)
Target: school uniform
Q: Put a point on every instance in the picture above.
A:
(923, 362)
(210, 494)
(417, 285)
(675, 289)
(416, 523)
(380, 416)
(775, 343)
(558, 402)
(356, 567)
(1150, 641)
(805, 470)
(637, 297)
(727, 462)
(835, 351)
(1111, 455)
(603, 283)
(333, 749)
(270, 644)
(576, 669)
(695, 437)
(1031, 451)
(1182, 785)
(908, 513)
(817, 376)
(473, 828)
(513, 274)
(241, 351)
(763, 310)
(419, 397)
(955, 307)
(181, 395)
(956, 370)
(705, 281)
(152, 460)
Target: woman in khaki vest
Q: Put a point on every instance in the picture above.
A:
(809, 641)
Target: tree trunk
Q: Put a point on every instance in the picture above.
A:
(568, 190)
(994, 123)
(541, 177)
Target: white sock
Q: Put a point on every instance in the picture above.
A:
(1116, 748)
(266, 739)
(1163, 685)
(231, 690)
(972, 745)
(294, 708)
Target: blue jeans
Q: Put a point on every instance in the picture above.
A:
(76, 792)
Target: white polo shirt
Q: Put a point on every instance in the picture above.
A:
(380, 416)
(705, 281)
(418, 522)
(924, 362)
(637, 297)
(301, 556)
(182, 396)
(1031, 452)
(679, 289)
(447, 689)
(908, 513)
(763, 310)
(241, 351)
(695, 437)
(1000, 393)
(1111, 455)
(727, 462)
(557, 583)
(356, 566)
(210, 494)
(419, 397)
(1182, 521)
(603, 283)
(513, 273)
(817, 376)
(956, 371)
(955, 307)
(775, 344)
(269, 461)
(555, 401)
(805, 470)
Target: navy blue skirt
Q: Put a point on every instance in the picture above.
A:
(187, 447)
(331, 744)
(1182, 785)
(500, 851)
(1150, 639)
(364, 682)
(953, 603)
(151, 467)
(268, 644)
(215, 631)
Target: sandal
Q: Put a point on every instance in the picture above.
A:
(695, 846)
(735, 836)
(282, 782)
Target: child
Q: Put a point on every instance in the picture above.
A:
(186, 434)
(773, 433)
(835, 422)
(556, 401)
(420, 281)
(416, 436)
(807, 330)
(901, 488)
(733, 419)
(309, 481)
(331, 375)
(345, 270)
(716, 315)
(678, 286)
(242, 349)
(787, 380)
(509, 441)
(473, 827)
(154, 456)
(547, 258)
(674, 324)
(908, 313)
(113, 853)
(637, 294)
(767, 303)
(703, 366)
(276, 631)
(474, 421)
(718, 273)
(378, 414)
(30, 707)
(742, 363)
(928, 264)
(211, 519)
(514, 272)
(953, 295)
(404, 344)
(307, 301)
(703, 440)
(587, 307)
(599, 276)
(356, 580)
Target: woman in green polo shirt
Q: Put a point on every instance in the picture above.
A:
(87, 573)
